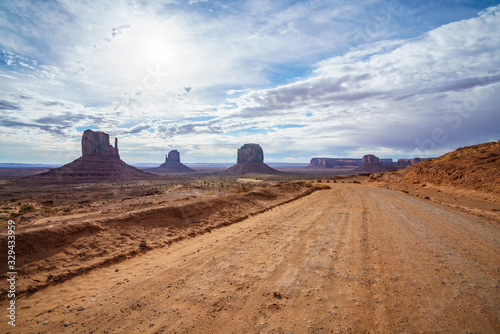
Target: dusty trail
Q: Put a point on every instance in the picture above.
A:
(350, 259)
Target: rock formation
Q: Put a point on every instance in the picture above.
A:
(97, 144)
(251, 160)
(173, 156)
(99, 162)
(325, 163)
(371, 164)
(408, 162)
(250, 153)
(344, 163)
(172, 164)
(370, 159)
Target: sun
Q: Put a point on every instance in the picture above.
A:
(157, 50)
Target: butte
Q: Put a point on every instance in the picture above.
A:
(99, 162)
(371, 164)
(251, 161)
(172, 164)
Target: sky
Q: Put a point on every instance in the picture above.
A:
(304, 79)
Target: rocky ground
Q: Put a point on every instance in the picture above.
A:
(350, 259)
(52, 248)
(413, 251)
(466, 179)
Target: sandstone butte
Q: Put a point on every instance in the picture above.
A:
(100, 161)
(251, 160)
(172, 164)
(371, 164)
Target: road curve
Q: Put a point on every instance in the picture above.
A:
(351, 259)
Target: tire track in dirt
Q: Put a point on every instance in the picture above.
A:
(429, 276)
(349, 259)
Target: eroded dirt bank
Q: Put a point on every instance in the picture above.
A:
(351, 259)
(467, 179)
(55, 249)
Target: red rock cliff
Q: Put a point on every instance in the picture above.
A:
(95, 143)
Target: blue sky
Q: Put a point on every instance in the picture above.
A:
(302, 78)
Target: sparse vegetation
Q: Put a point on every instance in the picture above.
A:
(474, 167)
(243, 188)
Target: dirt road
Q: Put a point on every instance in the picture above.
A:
(351, 259)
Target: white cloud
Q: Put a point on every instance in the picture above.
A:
(126, 68)
(392, 93)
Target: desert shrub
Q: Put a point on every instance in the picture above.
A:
(153, 191)
(68, 209)
(322, 186)
(25, 208)
(243, 188)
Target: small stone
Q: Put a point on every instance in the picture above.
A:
(67, 324)
(45, 322)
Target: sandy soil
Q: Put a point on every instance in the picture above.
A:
(472, 201)
(351, 259)
(467, 179)
(52, 249)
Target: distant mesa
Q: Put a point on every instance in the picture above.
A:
(327, 163)
(172, 164)
(251, 160)
(371, 164)
(409, 162)
(99, 162)
(342, 163)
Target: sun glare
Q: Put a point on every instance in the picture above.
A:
(157, 50)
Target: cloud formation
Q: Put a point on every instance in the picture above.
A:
(301, 78)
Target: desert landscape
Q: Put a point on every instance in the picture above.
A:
(413, 250)
(251, 166)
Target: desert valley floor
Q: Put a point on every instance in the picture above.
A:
(350, 259)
